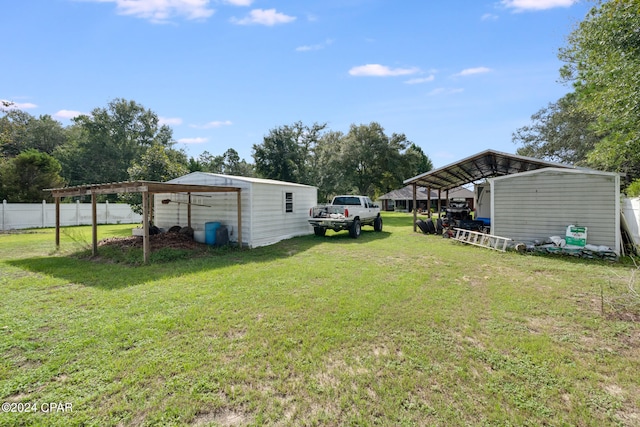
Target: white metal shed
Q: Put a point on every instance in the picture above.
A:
(271, 210)
(541, 203)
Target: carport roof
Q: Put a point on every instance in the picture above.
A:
(487, 164)
(406, 193)
(137, 187)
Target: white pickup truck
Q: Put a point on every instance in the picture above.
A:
(345, 213)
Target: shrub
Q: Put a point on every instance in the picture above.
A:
(633, 190)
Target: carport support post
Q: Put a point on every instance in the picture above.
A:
(429, 201)
(145, 226)
(94, 224)
(189, 210)
(415, 209)
(57, 223)
(239, 218)
(150, 208)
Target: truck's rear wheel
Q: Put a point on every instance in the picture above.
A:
(355, 229)
(377, 224)
(319, 231)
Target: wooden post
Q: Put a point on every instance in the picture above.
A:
(446, 202)
(145, 226)
(151, 206)
(57, 223)
(94, 224)
(439, 201)
(239, 218)
(189, 210)
(429, 202)
(415, 210)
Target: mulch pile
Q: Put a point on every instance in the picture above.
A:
(156, 241)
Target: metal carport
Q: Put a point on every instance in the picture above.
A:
(487, 164)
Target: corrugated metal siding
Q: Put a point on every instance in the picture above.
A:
(537, 205)
(263, 218)
(270, 221)
(218, 207)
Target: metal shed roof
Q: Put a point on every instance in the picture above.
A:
(487, 164)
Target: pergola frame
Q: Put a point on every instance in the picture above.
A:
(148, 189)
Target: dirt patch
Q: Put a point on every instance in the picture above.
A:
(225, 418)
(624, 316)
(156, 241)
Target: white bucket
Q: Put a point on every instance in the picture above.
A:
(199, 236)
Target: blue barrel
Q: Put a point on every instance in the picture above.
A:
(210, 229)
(486, 221)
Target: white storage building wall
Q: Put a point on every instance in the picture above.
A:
(538, 204)
(264, 205)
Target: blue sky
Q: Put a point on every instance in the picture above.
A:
(455, 76)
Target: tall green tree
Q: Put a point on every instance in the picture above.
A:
(23, 177)
(13, 132)
(287, 153)
(20, 131)
(104, 144)
(329, 176)
(373, 162)
(210, 163)
(232, 164)
(158, 163)
(228, 163)
(560, 132)
(602, 59)
(364, 161)
(416, 161)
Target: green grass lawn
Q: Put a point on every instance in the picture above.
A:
(393, 329)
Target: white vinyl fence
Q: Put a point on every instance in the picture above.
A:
(35, 215)
(631, 212)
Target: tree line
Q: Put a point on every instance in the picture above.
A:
(125, 141)
(597, 124)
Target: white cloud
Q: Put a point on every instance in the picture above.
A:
(239, 2)
(445, 91)
(421, 80)
(192, 140)
(377, 70)
(11, 105)
(489, 17)
(319, 46)
(170, 121)
(268, 17)
(161, 11)
(472, 71)
(67, 114)
(214, 124)
(524, 5)
(307, 48)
